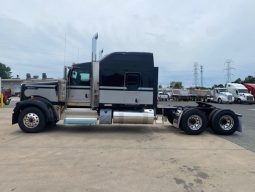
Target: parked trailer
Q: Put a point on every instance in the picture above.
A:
(251, 88)
(182, 95)
(121, 88)
(201, 94)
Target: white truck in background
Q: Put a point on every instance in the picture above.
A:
(221, 95)
(240, 93)
(163, 96)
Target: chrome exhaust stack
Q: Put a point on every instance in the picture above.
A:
(94, 100)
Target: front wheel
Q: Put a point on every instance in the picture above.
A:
(239, 101)
(32, 120)
(220, 101)
(193, 122)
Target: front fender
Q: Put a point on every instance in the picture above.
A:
(31, 103)
(224, 98)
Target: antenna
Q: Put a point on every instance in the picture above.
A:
(78, 54)
(65, 51)
(101, 53)
(201, 72)
(195, 74)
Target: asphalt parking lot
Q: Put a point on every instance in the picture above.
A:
(245, 139)
(126, 158)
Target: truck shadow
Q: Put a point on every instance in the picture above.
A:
(133, 129)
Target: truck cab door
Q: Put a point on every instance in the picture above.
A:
(78, 88)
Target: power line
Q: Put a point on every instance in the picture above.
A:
(228, 69)
(201, 73)
(195, 74)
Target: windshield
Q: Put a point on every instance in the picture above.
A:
(222, 90)
(242, 90)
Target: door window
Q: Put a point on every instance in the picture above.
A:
(79, 77)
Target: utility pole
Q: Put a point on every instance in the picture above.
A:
(78, 54)
(195, 73)
(228, 69)
(201, 73)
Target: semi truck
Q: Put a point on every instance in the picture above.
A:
(251, 88)
(221, 95)
(120, 88)
(240, 93)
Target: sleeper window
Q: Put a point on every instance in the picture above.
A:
(132, 79)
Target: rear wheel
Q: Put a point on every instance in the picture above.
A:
(193, 122)
(224, 122)
(31, 120)
(211, 116)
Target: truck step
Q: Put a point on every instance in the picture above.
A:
(80, 113)
(80, 121)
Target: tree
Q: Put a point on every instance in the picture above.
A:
(249, 79)
(239, 80)
(5, 72)
(176, 85)
(218, 86)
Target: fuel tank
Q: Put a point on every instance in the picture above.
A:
(127, 117)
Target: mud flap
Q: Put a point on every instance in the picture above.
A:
(177, 119)
(240, 127)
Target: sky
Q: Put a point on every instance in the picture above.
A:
(38, 36)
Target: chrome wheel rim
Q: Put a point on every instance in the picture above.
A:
(226, 122)
(31, 120)
(195, 122)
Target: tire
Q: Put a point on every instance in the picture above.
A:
(193, 122)
(184, 111)
(7, 102)
(210, 116)
(224, 122)
(220, 101)
(239, 101)
(53, 123)
(32, 120)
(170, 119)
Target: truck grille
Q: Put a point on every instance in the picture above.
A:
(229, 98)
(249, 98)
